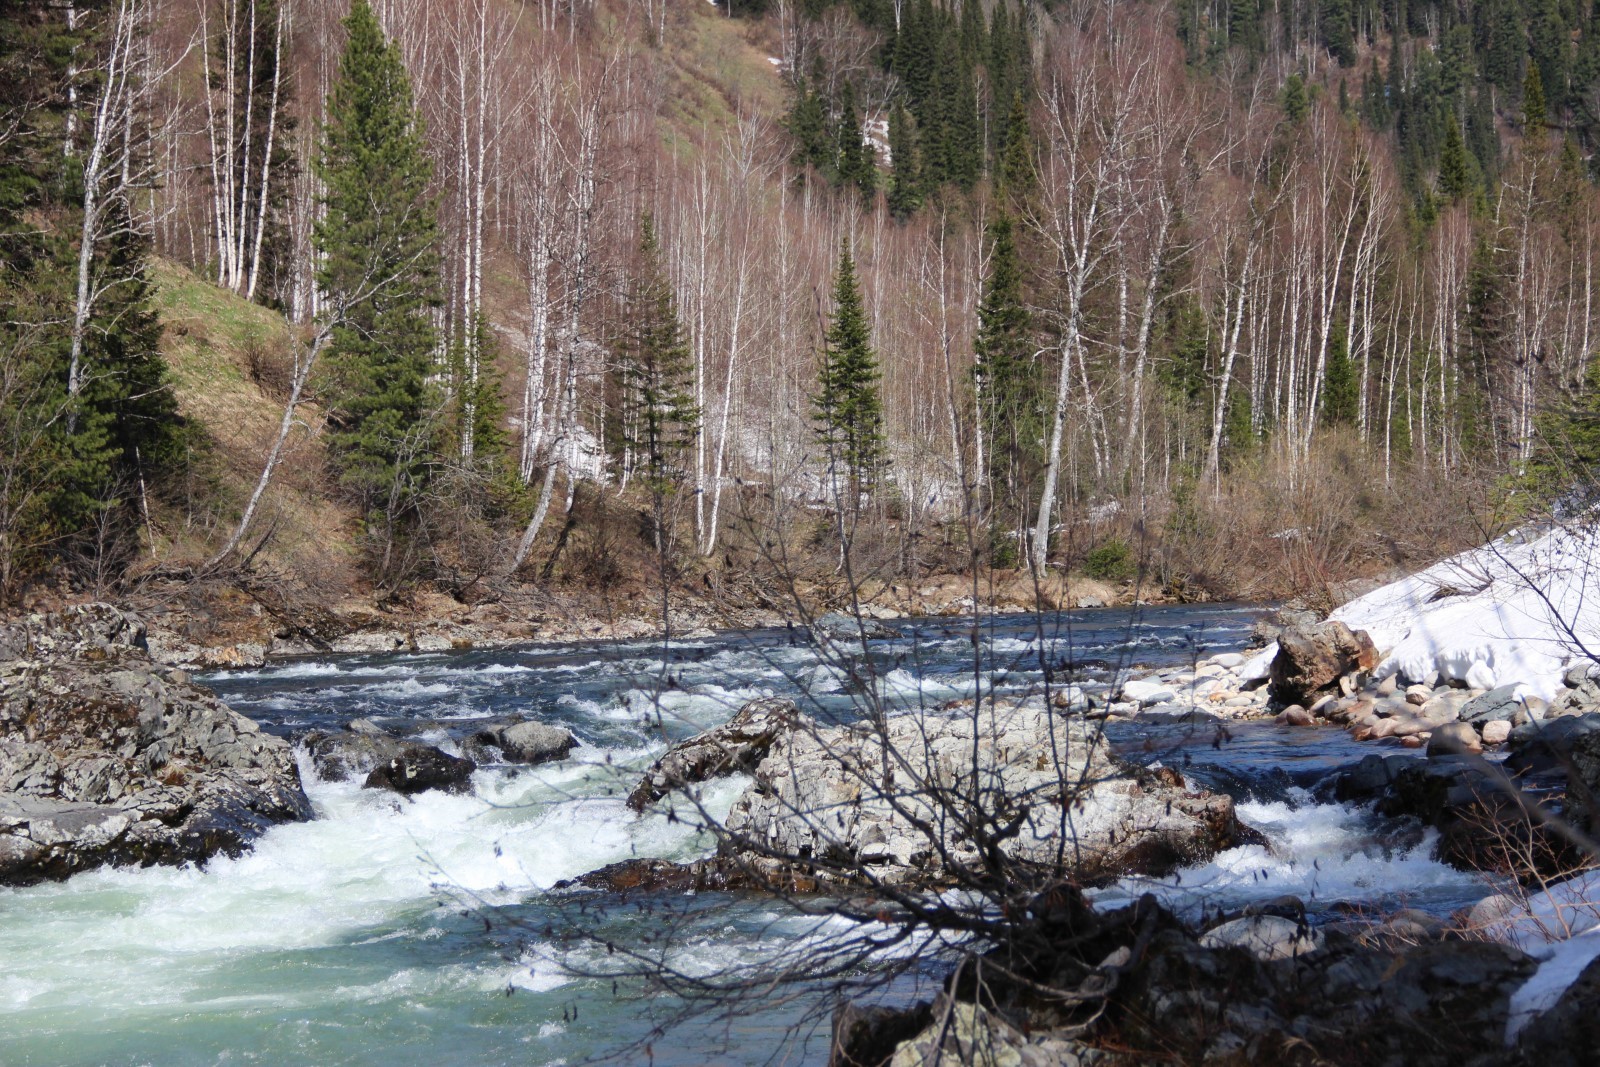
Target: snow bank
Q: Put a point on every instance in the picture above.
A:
(1517, 611)
(1560, 927)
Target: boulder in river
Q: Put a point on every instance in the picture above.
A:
(106, 760)
(839, 626)
(1311, 658)
(896, 798)
(736, 746)
(523, 742)
(386, 762)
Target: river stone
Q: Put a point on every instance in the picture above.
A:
(524, 742)
(1418, 694)
(735, 747)
(891, 796)
(1496, 732)
(418, 768)
(1148, 691)
(105, 761)
(1445, 708)
(1229, 660)
(1453, 738)
(838, 626)
(1267, 937)
(1311, 658)
(1496, 705)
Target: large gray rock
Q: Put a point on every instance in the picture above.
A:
(1312, 658)
(523, 742)
(736, 746)
(105, 761)
(1496, 705)
(914, 798)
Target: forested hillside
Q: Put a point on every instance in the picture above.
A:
(1256, 295)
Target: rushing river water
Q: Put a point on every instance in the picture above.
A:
(361, 937)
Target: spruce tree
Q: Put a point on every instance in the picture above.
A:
(1341, 396)
(857, 160)
(1006, 379)
(1534, 113)
(808, 124)
(905, 177)
(1295, 103)
(1014, 173)
(377, 240)
(660, 419)
(847, 406)
(1455, 171)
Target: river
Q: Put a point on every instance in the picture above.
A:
(410, 932)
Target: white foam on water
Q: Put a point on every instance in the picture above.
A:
(116, 940)
(1321, 853)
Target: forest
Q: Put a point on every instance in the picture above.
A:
(1246, 297)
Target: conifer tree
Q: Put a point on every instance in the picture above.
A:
(660, 419)
(857, 160)
(1295, 103)
(808, 123)
(1341, 389)
(1014, 173)
(1455, 173)
(847, 406)
(378, 242)
(905, 178)
(1338, 32)
(1534, 113)
(1006, 379)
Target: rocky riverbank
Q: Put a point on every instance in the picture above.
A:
(105, 758)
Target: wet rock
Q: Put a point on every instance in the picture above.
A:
(522, 742)
(1312, 658)
(386, 762)
(417, 768)
(1294, 716)
(1267, 937)
(105, 759)
(735, 747)
(838, 626)
(841, 796)
(867, 1036)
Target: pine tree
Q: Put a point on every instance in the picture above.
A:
(377, 240)
(905, 178)
(659, 417)
(848, 410)
(1006, 378)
